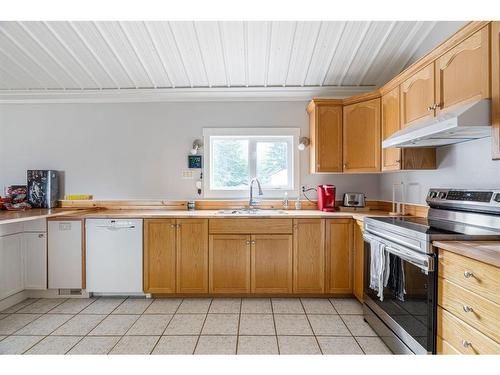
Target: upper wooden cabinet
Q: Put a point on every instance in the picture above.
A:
(395, 158)
(361, 136)
(309, 256)
(339, 256)
(495, 87)
(192, 255)
(325, 132)
(418, 96)
(159, 255)
(462, 73)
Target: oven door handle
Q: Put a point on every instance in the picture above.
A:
(425, 263)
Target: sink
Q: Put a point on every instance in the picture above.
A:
(256, 212)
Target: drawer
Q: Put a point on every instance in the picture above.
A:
(479, 312)
(458, 334)
(444, 347)
(250, 226)
(39, 225)
(478, 277)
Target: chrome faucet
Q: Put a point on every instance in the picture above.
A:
(253, 202)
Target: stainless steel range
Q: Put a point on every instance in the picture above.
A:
(401, 265)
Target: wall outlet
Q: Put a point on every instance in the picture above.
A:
(186, 174)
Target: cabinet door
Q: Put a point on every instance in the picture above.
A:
(359, 263)
(35, 265)
(417, 96)
(325, 123)
(339, 256)
(495, 87)
(11, 265)
(271, 260)
(391, 157)
(462, 74)
(309, 256)
(362, 137)
(192, 256)
(229, 265)
(159, 255)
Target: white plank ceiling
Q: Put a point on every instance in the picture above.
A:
(159, 55)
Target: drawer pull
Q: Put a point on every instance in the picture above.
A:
(467, 308)
(468, 274)
(466, 344)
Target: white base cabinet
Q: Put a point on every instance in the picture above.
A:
(23, 257)
(65, 254)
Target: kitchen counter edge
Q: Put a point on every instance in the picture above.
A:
(484, 251)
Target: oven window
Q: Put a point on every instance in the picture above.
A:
(408, 298)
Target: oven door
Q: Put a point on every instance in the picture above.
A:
(408, 306)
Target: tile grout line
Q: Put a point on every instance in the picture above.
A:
(203, 325)
(310, 325)
(354, 337)
(274, 323)
(171, 318)
(238, 330)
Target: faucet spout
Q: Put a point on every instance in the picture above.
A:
(253, 202)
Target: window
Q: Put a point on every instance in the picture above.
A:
(235, 156)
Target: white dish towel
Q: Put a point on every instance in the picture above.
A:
(379, 267)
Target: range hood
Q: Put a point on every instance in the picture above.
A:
(464, 123)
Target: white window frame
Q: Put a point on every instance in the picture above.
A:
(208, 192)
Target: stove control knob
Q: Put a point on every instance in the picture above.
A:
(432, 194)
(441, 195)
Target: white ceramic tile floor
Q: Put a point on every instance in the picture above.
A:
(187, 326)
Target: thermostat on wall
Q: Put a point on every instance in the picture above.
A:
(194, 161)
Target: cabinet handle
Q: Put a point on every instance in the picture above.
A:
(172, 225)
(468, 274)
(467, 308)
(41, 235)
(345, 165)
(398, 161)
(466, 344)
(253, 242)
(247, 242)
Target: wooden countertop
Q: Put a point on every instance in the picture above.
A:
(484, 251)
(7, 217)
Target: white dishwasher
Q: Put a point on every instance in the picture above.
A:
(114, 256)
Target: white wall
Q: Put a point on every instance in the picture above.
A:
(137, 150)
(465, 165)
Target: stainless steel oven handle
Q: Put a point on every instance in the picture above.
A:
(423, 262)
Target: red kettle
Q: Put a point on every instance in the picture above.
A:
(326, 198)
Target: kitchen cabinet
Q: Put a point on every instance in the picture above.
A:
(468, 305)
(309, 256)
(159, 255)
(35, 247)
(361, 137)
(339, 256)
(271, 263)
(359, 260)
(192, 256)
(394, 159)
(325, 132)
(495, 88)
(66, 252)
(418, 96)
(462, 73)
(11, 264)
(229, 263)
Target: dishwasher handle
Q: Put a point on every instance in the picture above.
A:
(116, 227)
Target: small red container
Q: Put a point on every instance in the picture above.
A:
(326, 198)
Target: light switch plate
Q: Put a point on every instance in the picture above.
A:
(186, 174)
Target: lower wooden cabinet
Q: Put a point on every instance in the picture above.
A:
(229, 263)
(159, 255)
(339, 256)
(175, 256)
(359, 260)
(309, 256)
(192, 256)
(271, 263)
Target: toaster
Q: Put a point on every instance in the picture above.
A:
(354, 200)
